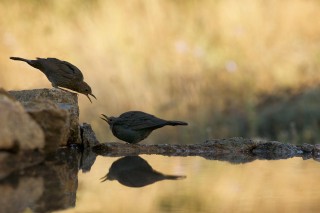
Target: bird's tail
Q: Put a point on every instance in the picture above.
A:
(175, 177)
(33, 63)
(176, 123)
(20, 59)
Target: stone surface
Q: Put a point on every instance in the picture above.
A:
(307, 147)
(46, 187)
(60, 174)
(89, 140)
(18, 131)
(54, 122)
(88, 136)
(64, 100)
(18, 196)
(317, 148)
(275, 150)
(234, 150)
(10, 162)
(316, 152)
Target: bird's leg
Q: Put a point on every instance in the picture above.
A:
(57, 87)
(54, 85)
(67, 90)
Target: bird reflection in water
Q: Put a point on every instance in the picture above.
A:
(134, 171)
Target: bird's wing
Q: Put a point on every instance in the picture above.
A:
(137, 120)
(67, 69)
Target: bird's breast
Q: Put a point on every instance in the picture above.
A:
(129, 135)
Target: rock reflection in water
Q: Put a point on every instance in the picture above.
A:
(134, 171)
(46, 187)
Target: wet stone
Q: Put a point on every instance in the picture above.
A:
(89, 140)
(54, 122)
(16, 197)
(10, 162)
(64, 100)
(234, 150)
(316, 152)
(18, 131)
(46, 187)
(88, 136)
(307, 147)
(316, 148)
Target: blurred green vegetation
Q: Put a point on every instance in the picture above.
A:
(295, 119)
(211, 63)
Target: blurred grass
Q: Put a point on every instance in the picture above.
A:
(206, 62)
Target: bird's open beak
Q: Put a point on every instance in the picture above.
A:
(106, 177)
(105, 118)
(92, 96)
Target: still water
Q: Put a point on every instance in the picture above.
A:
(290, 185)
(154, 183)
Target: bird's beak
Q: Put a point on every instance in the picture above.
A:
(106, 177)
(105, 118)
(92, 96)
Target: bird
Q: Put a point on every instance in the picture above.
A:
(134, 171)
(60, 74)
(134, 126)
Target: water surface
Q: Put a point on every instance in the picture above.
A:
(209, 186)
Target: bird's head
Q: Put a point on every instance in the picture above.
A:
(85, 89)
(110, 120)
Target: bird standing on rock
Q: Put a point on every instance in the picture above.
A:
(60, 74)
(135, 126)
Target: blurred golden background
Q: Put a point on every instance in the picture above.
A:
(230, 68)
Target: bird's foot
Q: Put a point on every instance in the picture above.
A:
(66, 90)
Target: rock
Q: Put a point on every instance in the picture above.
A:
(60, 175)
(16, 197)
(231, 145)
(88, 136)
(46, 187)
(89, 140)
(65, 100)
(208, 148)
(54, 122)
(275, 150)
(316, 148)
(18, 131)
(233, 150)
(307, 147)
(316, 152)
(10, 162)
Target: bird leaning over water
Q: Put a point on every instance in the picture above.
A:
(134, 126)
(60, 74)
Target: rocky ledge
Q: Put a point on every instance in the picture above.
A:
(234, 150)
(36, 166)
(56, 112)
(35, 123)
